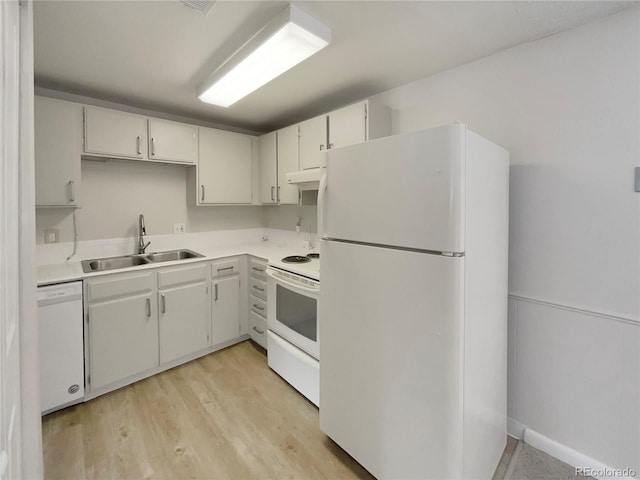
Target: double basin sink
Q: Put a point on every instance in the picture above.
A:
(127, 261)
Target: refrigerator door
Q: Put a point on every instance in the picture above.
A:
(404, 190)
(391, 350)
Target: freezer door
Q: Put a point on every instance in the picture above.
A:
(390, 344)
(404, 190)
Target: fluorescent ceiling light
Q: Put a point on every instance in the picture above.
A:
(287, 40)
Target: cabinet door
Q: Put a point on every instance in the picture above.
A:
(268, 168)
(313, 140)
(58, 146)
(347, 126)
(123, 338)
(185, 320)
(114, 133)
(225, 317)
(287, 162)
(224, 167)
(173, 142)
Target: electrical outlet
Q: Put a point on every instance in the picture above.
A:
(51, 235)
(178, 228)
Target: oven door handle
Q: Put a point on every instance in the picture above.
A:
(294, 286)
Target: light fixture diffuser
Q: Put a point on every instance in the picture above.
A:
(287, 40)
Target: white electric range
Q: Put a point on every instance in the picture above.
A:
(292, 320)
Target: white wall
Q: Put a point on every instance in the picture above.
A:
(285, 217)
(567, 108)
(114, 193)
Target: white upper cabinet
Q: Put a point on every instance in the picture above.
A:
(224, 167)
(348, 125)
(287, 194)
(268, 168)
(313, 140)
(114, 134)
(58, 147)
(172, 141)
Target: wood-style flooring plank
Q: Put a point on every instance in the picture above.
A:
(223, 416)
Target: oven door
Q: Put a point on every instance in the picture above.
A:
(292, 310)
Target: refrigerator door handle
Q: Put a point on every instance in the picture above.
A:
(321, 196)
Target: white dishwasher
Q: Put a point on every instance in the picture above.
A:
(60, 318)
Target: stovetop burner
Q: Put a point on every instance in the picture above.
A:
(296, 259)
(313, 255)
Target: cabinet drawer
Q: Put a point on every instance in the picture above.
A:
(258, 329)
(258, 306)
(178, 275)
(221, 268)
(257, 268)
(258, 288)
(116, 285)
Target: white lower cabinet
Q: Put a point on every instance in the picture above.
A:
(140, 323)
(184, 308)
(123, 338)
(225, 312)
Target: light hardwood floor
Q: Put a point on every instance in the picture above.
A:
(226, 415)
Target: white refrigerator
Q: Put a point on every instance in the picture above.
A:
(413, 305)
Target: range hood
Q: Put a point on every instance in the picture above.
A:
(306, 179)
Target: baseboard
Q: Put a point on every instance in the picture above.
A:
(515, 429)
(576, 459)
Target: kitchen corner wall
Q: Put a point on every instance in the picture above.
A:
(567, 107)
(284, 217)
(114, 193)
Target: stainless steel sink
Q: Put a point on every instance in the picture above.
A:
(113, 263)
(172, 255)
(127, 261)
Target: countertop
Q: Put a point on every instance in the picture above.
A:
(72, 270)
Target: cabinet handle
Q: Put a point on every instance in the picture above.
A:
(72, 195)
(138, 145)
(224, 269)
(202, 194)
(215, 295)
(278, 196)
(258, 288)
(321, 147)
(153, 146)
(258, 307)
(272, 189)
(257, 269)
(163, 302)
(148, 305)
(331, 145)
(261, 332)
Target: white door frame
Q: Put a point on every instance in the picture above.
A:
(20, 422)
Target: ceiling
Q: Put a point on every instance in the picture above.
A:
(155, 54)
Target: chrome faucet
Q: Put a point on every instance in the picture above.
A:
(142, 231)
